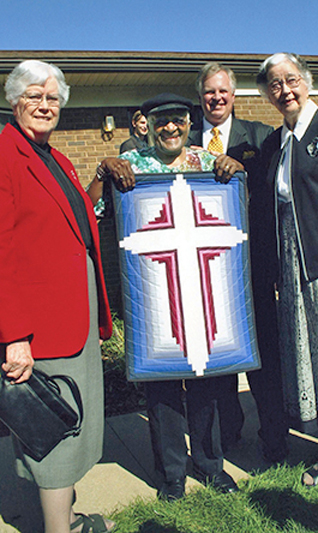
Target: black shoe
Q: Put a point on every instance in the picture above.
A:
(222, 481)
(172, 490)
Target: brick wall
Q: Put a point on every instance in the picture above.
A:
(257, 108)
(79, 138)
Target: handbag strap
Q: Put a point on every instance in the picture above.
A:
(76, 395)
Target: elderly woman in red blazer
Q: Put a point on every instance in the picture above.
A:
(53, 302)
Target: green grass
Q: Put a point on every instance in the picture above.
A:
(270, 502)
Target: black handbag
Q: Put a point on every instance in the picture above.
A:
(36, 413)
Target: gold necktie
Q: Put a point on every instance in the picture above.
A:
(215, 144)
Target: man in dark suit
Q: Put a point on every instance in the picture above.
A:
(220, 132)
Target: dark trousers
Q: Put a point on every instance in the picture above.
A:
(266, 388)
(266, 383)
(167, 421)
(230, 411)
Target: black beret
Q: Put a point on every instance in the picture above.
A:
(165, 101)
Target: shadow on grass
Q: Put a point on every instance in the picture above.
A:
(151, 526)
(282, 506)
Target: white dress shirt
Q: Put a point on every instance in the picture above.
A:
(224, 130)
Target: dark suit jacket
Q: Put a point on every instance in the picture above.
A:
(245, 142)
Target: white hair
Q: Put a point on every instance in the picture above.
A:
(277, 58)
(34, 72)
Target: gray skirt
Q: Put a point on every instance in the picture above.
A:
(69, 461)
(298, 325)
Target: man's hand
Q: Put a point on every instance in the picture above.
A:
(121, 173)
(225, 167)
(19, 361)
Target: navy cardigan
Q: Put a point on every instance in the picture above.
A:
(304, 192)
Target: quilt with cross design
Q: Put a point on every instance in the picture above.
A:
(184, 259)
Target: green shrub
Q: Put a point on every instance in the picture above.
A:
(122, 397)
(113, 350)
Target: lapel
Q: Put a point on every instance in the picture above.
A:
(237, 136)
(41, 173)
(68, 168)
(195, 135)
(274, 155)
(237, 133)
(275, 138)
(311, 132)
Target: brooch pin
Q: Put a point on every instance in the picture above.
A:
(312, 147)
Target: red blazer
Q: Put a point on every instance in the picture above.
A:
(43, 274)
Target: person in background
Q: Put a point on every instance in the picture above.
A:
(104, 204)
(169, 125)
(290, 225)
(139, 137)
(53, 302)
(220, 132)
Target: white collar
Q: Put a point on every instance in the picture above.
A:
(302, 123)
(224, 128)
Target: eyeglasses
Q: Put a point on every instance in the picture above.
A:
(161, 122)
(35, 99)
(277, 85)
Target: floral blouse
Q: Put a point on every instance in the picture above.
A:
(146, 161)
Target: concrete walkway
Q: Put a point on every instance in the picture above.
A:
(126, 470)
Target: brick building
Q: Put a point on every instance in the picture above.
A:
(116, 83)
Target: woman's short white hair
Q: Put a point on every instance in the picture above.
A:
(34, 72)
(277, 58)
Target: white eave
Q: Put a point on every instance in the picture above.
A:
(127, 78)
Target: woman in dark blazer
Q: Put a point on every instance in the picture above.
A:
(291, 223)
(53, 302)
